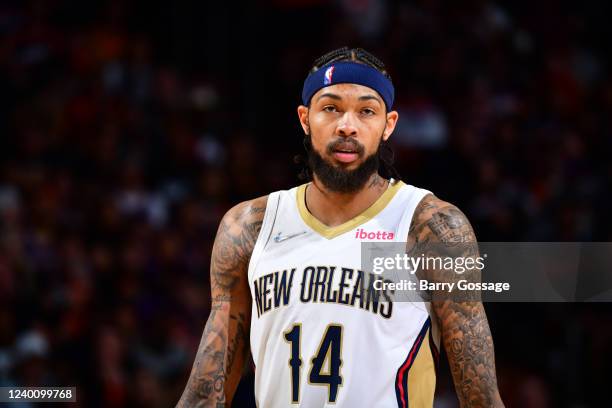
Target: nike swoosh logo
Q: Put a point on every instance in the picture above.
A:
(280, 238)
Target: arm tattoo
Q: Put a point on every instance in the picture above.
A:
(440, 229)
(233, 247)
(224, 348)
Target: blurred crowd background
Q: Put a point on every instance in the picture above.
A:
(127, 129)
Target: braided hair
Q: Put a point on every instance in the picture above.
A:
(359, 55)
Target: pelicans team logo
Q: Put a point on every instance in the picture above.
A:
(328, 75)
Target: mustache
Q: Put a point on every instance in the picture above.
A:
(349, 144)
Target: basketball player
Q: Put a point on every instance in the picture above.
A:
(286, 278)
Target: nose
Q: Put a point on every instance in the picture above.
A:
(346, 125)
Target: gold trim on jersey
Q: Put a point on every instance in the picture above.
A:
(332, 232)
(422, 376)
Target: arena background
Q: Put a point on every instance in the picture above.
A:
(129, 128)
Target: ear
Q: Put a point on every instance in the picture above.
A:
(302, 112)
(390, 124)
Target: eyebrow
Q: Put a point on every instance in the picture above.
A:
(329, 95)
(368, 97)
(339, 98)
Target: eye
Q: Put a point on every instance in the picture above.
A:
(368, 111)
(329, 108)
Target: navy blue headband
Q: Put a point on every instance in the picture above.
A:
(348, 73)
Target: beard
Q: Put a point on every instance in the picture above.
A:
(336, 178)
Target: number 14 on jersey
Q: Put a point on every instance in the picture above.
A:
(324, 366)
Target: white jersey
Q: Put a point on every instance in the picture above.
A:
(317, 340)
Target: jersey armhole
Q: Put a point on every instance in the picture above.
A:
(402, 236)
(265, 231)
(406, 222)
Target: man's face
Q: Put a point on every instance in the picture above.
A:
(346, 123)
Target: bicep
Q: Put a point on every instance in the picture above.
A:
(230, 256)
(443, 234)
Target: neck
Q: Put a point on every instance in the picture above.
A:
(333, 208)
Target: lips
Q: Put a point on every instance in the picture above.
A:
(346, 151)
(346, 147)
(345, 157)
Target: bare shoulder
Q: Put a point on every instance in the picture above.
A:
(241, 224)
(236, 237)
(440, 229)
(440, 221)
(246, 211)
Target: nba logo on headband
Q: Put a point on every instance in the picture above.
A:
(328, 75)
(348, 72)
